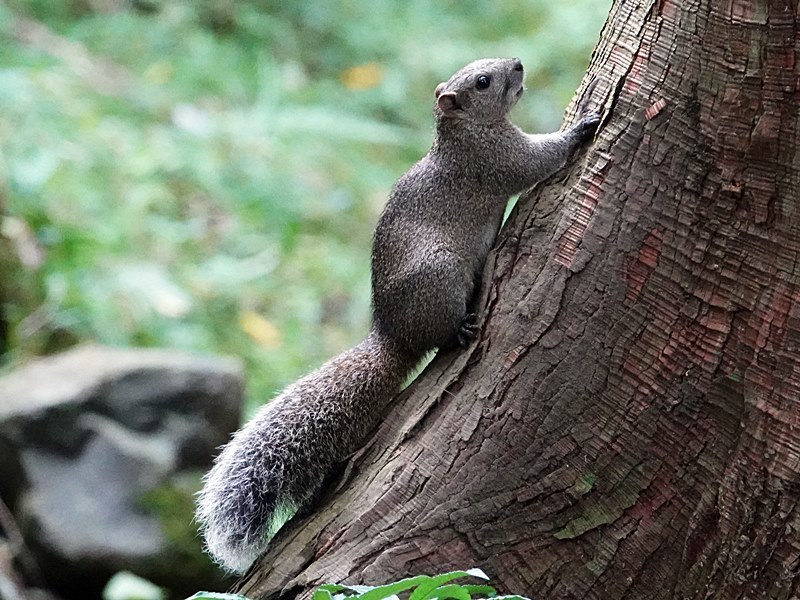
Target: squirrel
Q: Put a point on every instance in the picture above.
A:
(430, 244)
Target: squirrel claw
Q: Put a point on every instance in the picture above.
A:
(468, 330)
(588, 120)
(587, 126)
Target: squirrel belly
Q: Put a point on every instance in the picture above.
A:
(277, 462)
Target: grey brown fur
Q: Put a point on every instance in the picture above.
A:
(430, 246)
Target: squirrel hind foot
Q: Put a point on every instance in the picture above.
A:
(468, 330)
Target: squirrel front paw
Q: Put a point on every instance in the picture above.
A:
(585, 128)
(588, 120)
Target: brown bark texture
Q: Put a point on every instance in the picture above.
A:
(627, 425)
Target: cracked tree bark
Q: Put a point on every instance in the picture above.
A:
(627, 425)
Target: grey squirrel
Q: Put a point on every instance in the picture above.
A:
(430, 245)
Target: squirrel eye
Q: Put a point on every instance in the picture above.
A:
(482, 82)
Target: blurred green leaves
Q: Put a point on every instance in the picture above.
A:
(206, 175)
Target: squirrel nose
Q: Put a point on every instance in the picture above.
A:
(517, 64)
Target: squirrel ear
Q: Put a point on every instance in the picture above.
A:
(447, 102)
(439, 89)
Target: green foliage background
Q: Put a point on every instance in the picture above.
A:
(206, 175)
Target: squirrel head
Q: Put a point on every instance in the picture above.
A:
(483, 91)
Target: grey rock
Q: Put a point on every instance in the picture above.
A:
(92, 441)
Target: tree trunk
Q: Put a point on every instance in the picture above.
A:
(627, 425)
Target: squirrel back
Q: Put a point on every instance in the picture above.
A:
(430, 245)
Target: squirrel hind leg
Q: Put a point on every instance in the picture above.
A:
(427, 306)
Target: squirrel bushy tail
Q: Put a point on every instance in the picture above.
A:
(277, 462)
